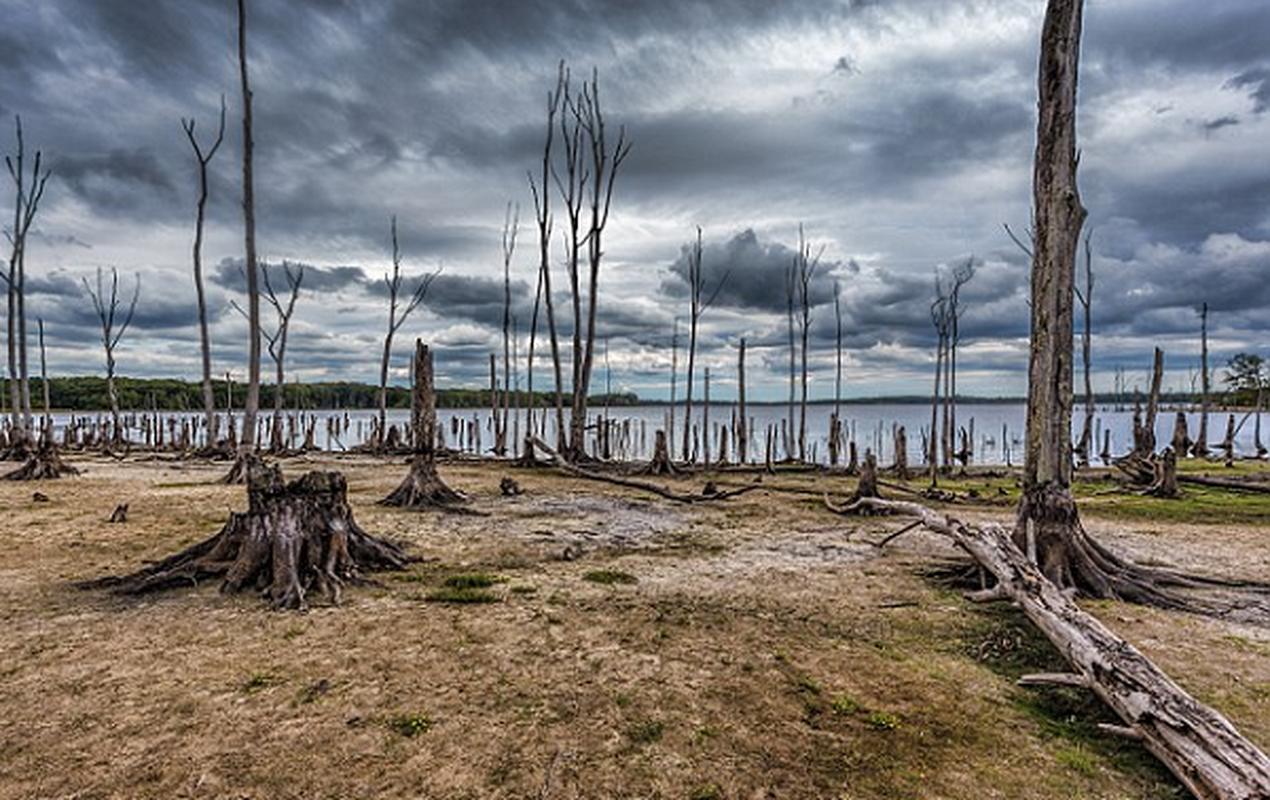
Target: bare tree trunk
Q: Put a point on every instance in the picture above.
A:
(1200, 448)
(1153, 405)
(1086, 298)
(247, 440)
(423, 487)
(107, 307)
(742, 430)
(1047, 517)
(210, 420)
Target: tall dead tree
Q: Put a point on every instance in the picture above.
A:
(697, 305)
(540, 189)
(805, 266)
(1199, 448)
(938, 318)
(511, 227)
(397, 316)
(112, 330)
(1085, 296)
(791, 295)
(742, 428)
(598, 167)
(277, 343)
(204, 158)
(1048, 526)
(960, 277)
(28, 191)
(247, 440)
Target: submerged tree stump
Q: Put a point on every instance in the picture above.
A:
(293, 537)
(423, 487)
(660, 463)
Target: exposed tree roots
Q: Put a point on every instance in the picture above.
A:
(43, 463)
(423, 488)
(294, 537)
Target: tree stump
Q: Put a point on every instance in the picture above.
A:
(1181, 436)
(661, 463)
(901, 454)
(423, 487)
(42, 463)
(867, 486)
(292, 538)
(1165, 483)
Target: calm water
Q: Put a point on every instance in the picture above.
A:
(997, 429)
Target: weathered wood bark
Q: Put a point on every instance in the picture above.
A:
(1181, 441)
(742, 429)
(1165, 479)
(43, 462)
(1146, 444)
(423, 487)
(901, 453)
(1199, 448)
(294, 537)
(1194, 741)
(660, 463)
(867, 485)
(247, 441)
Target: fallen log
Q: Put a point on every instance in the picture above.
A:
(630, 483)
(1198, 745)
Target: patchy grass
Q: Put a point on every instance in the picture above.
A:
(747, 660)
(610, 577)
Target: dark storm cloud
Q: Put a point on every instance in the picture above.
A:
(118, 182)
(478, 300)
(1257, 83)
(745, 272)
(1177, 34)
(228, 274)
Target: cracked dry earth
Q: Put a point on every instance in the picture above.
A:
(628, 646)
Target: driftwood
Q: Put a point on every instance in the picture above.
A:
(1199, 745)
(710, 492)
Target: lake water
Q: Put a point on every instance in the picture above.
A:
(997, 429)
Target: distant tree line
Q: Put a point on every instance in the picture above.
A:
(91, 394)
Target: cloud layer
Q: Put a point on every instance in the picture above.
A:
(897, 135)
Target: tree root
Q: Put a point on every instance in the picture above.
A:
(293, 537)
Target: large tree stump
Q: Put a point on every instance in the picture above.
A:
(660, 463)
(422, 487)
(42, 463)
(292, 538)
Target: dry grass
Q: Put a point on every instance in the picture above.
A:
(755, 651)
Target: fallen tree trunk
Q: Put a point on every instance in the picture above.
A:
(1196, 743)
(709, 493)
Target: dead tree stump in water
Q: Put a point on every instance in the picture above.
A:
(867, 486)
(423, 487)
(293, 537)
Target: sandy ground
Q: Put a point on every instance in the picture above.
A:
(759, 647)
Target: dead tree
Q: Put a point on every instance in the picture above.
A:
(247, 440)
(1199, 448)
(835, 419)
(107, 306)
(591, 173)
(210, 420)
(1048, 524)
(28, 191)
(1085, 297)
(697, 305)
(939, 318)
(1146, 443)
(293, 538)
(742, 429)
(423, 487)
(511, 227)
(804, 270)
(542, 210)
(277, 342)
(397, 316)
(960, 277)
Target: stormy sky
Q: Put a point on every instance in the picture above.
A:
(897, 135)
